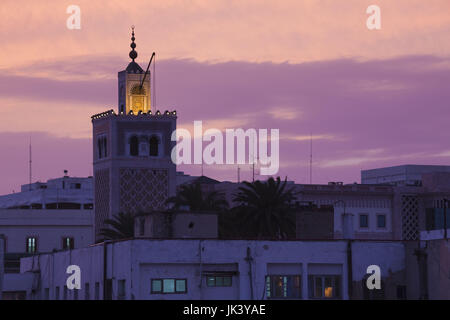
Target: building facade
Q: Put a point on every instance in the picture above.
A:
(404, 175)
(75, 193)
(145, 269)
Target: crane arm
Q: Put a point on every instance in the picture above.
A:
(145, 75)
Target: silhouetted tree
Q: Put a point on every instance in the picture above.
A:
(264, 210)
(192, 196)
(121, 226)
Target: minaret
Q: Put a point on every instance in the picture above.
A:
(134, 90)
(133, 168)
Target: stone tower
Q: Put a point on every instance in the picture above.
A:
(133, 170)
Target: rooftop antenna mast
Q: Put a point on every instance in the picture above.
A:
(30, 166)
(239, 174)
(310, 160)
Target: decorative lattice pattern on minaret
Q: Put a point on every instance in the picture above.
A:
(410, 217)
(143, 190)
(101, 199)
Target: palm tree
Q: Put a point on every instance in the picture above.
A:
(121, 226)
(264, 209)
(196, 199)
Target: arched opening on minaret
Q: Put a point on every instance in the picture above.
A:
(134, 146)
(137, 98)
(154, 145)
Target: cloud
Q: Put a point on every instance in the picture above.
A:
(51, 155)
(252, 31)
(284, 113)
(353, 128)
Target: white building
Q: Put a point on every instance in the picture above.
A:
(404, 175)
(61, 193)
(218, 269)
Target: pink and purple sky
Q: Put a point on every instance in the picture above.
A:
(370, 98)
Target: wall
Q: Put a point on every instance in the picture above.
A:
(138, 261)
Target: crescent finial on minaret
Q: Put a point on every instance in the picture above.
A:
(133, 53)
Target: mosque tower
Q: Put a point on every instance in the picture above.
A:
(133, 170)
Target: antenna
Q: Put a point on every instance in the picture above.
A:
(253, 171)
(310, 160)
(154, 83)
(30, 167)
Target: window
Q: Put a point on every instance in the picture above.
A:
(218, 281)
(68, 243)
(381, 221)
(168, 286)
(87, 293)
(324, 287)
(363, 221)
(57, 293)
(108, 290)
(47, 294)
(75, 294)
(283, 287)
(134, 146)
(65, 293)
(102, 146)
(154, 146)
(401, 292)
(97, 291)
(121, 290)
(31, 245)
(75, 186)
(88, 206)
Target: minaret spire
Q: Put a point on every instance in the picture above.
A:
(133, 53)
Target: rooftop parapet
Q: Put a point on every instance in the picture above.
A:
(131, 114)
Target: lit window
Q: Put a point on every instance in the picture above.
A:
(219, 281)
(283, 287)
(324, 287)
(168, 286)
(31, 245)
(68, 243)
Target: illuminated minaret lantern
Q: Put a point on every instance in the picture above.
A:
(133, 169)
(134, 85)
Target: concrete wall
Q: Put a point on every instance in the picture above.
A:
(177, 225)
